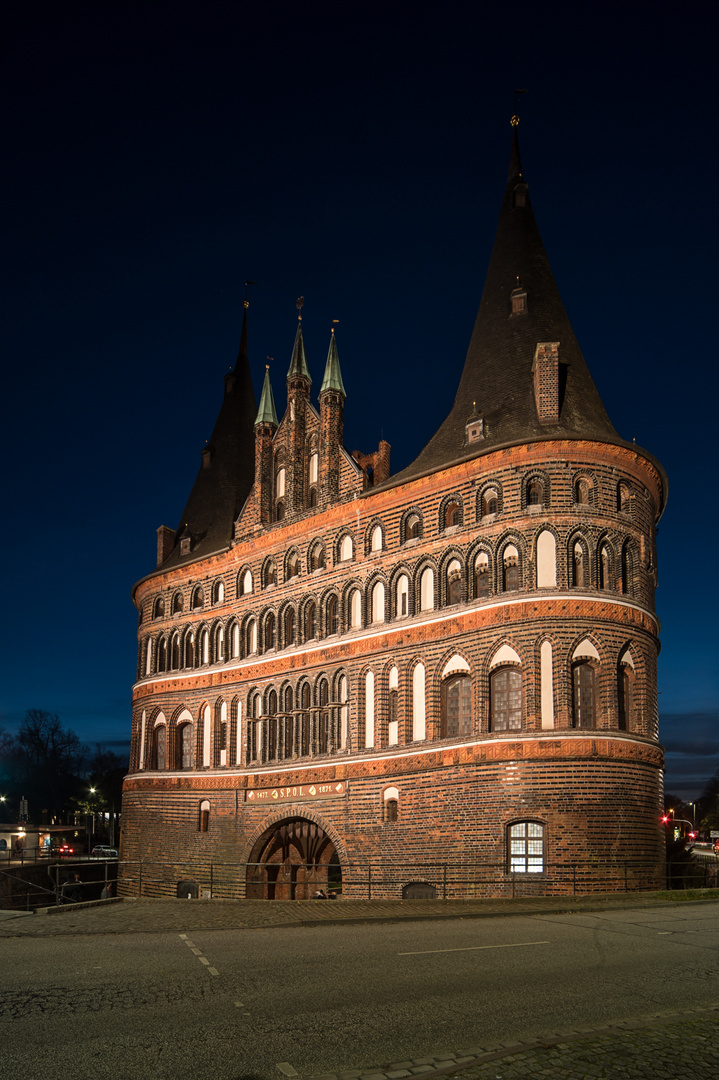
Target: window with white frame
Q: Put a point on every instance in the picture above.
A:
(525, 847)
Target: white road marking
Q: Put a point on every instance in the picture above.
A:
(286, 1068)
(198, 954)
(203, 960)
(475, 948)
(213, 971)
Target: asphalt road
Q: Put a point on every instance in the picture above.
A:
(229, 1004)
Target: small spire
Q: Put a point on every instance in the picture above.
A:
(266, 414)
(298, 363)
(515, 162)
(333, 376)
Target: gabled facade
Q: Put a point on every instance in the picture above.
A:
(437, 683)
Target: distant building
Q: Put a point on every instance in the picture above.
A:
(446, 679)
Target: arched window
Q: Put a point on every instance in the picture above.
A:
(270, 751)
(624, 498)
(525, 848)
(402, 596)
(355, 606)
(317, 558)
(175, 652)
(293, 565)
(159, 747)
(346, 548)
(269, 573)
(244, 582)
(185, 746)
(580, 569)
(218, 592)
(584, 695)
(159, 609)
(177, 603)
(535, 493)
(376, 538)
(625, 692)
(198, 597)
(162, 655)
(310, 621)
(235, 640)
(314, 467)
(452, 514)
(546, 560)
(289, 627)
(490, 502)
(393, 714)
(510, 566)
(413, 528)
(627, 569)
(505, 694)
(204, 819)
(391, 803)
(280, 493)
(332, 615)
(305, 720)
(250, 637)
(270, 632)
(323, 718)
(581, 491)
(454, 582)
(426, 589)
(481, 576)
(190, 650)
(377, 602)
(205, 647)
(280, 509)
(457, 706)
(605, 567)
(219, 644)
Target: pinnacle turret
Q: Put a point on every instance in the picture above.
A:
(266, 413)
(333, 376)
(298, 363)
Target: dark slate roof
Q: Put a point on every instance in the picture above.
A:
(497, 373)
(221, 487)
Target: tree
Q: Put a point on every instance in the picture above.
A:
(45, 761)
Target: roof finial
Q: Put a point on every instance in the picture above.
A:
(335, 322)
(515, 119)
(246, 301)
(300, 304)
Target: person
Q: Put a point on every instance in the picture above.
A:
(106, 893)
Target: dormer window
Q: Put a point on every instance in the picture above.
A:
(520, 194)
(185, 545)
(518, 298)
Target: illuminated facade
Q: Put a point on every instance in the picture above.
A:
(345, 673)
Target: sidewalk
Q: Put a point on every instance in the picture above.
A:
(158, 916)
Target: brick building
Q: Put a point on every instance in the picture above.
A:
(444, 679)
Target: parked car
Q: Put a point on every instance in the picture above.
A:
(102, 851)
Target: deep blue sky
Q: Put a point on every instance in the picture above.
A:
(157, 155)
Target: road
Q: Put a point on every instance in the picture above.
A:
(232, 1004)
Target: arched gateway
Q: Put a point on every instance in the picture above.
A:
(292, 859)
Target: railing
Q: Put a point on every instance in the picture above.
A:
(28, 888)
(382, 880)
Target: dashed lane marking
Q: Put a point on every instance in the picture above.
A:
(198, 953)
(287, 1069)
(475, 948)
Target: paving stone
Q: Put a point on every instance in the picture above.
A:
(398, 1074)
(401, 1065)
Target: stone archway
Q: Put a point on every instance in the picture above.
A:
(291, 861)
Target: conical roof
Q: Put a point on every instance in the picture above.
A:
(497, 372)
(298, 363)
(266, 412)
(226, 474)
(333, 376)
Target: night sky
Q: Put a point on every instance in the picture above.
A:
(158, 155)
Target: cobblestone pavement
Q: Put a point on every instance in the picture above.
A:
(668, 1047)
(155, 916)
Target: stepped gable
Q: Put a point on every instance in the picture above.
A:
(226, 473)
(497, 382)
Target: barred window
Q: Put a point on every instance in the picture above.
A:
(585, 705)
(525, 847)
(457, 706)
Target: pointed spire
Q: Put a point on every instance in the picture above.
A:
(266, 413)
(298, 363)
(333, 376)
(520, 310)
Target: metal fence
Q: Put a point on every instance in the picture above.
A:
(31, 887)
(398, 880)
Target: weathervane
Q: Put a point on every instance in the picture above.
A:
(300, 303)
(247, 302)
(515, 119)
(335, 322)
